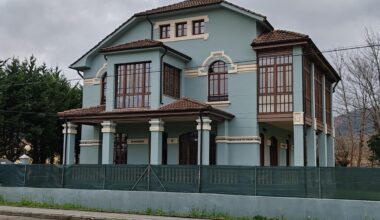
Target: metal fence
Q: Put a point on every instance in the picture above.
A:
(334, 183)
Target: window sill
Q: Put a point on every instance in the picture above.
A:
(219, 103)
(190, 37)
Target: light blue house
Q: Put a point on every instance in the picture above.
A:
(203, 82)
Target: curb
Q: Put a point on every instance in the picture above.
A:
(54, 216)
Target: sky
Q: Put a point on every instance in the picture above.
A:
(58, 32)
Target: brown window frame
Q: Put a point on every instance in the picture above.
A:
(198, 27)
(165, 31)
(218, 78)
(120, 148)
(328, 102)
(103, 96)
(307, 90)
(275, 83)
(181, 29)
(318, 96)
(132, 85)
(172, 81)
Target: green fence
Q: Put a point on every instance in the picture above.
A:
(333, 183)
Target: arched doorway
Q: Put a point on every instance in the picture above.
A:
(262, 149)
(188, 148)
(273, 152)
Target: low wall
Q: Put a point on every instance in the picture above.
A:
(113, 200)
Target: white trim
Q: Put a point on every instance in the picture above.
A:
(90, 143)
(91, 81)
(71, 128)
(241, 68)
(238, 139)
(214, 56)
(206, 125)
(298, 118)
(156, 125)
(189, 34)
(219, 103)
(108, 127)
(246, 68)
(101, 71)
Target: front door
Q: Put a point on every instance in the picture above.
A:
(274, 152)
(188, 148)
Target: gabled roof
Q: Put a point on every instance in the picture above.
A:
(278, 36)
(141, 44)
(187, 4)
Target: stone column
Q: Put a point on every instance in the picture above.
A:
(108, 130)
(204, 138)
(311, 131)
(69, 131)
(156, 129)
(298, 114)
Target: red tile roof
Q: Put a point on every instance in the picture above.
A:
(133, 45)
(82, 111)
(185, 103)
(278, 36)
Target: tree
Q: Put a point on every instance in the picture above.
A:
(374, 145)
(30, 97)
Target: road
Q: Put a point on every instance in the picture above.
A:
(8, 217)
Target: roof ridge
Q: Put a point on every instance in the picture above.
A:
(291, 32)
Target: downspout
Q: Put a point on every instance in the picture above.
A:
(161, 72)
(151, 27)
(200, 153)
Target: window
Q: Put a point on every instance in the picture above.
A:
(328, 103)
(181, 29)
(120, 149)
(318, 96)
(198, 27)
(165, 31)
(218, 82)
(104, 89)
(172, 81)
(133, 85)
(307, 91)
(275, 81)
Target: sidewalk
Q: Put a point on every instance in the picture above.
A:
(75, 215)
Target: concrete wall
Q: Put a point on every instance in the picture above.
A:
(288, 208)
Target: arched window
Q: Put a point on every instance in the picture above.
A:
(104, 89)
(218, 81)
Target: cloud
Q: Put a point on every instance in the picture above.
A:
(58, 32)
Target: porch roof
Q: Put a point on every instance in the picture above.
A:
(184, 108)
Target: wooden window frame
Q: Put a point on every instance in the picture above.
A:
(181, 29)
(307, 91)
(120, 148)
(103, 96)
(172, 81)
(165, 31)
(198, 27)
(275, 73)
(132, 85)
(318, 96)
(328, 103)
(221, 78)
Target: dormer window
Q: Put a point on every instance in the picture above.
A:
(165, 31)
(181, 29)
(103, 89)
(198, 27)
(218, 82)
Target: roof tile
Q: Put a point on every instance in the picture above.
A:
(82, 111)
(133, 45)
(278, 36)
(185, 103)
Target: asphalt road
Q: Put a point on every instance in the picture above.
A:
(7, 217)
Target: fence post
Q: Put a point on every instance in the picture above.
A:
(149, 177)
(104, 175)
(25, 170)
(319, 182)
(63, 177)
(255, 179)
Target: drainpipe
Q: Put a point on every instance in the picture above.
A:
(151, 27)
(200, 149)
(161, 71)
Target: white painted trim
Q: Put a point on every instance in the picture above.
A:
(219, 103)
(156, 125)
(101, 71)
(108, 127)
(206, 124)
(238, 139)
(90, 143)
(214, 56)
(70, 129)
(298, 118)
(91, 81)
(246, 68)
(191, 37)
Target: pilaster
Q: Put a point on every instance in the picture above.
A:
(69, 131)
(108, 130)
(204, 128)
(156, 128)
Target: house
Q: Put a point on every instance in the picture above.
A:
(203, 82)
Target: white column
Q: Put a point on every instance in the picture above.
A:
(204, 138)
(69, 131)
(156, 128)
(108, 130)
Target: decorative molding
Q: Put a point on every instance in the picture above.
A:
(238, 139)
(90, 143)
(189, 34)
(298, 118)
(71, 128)
(138, 141)
(214, 56)
(219, 103)
(101, 71)
(108, 127)
(156, 125)
(172, 141)
(191, 72)
(246, 68)
(243, 68)
(91, 81)
(206, 124)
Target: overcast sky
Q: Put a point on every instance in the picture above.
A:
(60, 31)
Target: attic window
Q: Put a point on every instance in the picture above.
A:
(165, 31)
(198, 27)
(181, 29)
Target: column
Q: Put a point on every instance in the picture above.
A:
(156, 128)
(69, 131)
(298, 114)
(108, 130)
(322, 137)
(204, 128)
(222, 148)
(311, 131)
